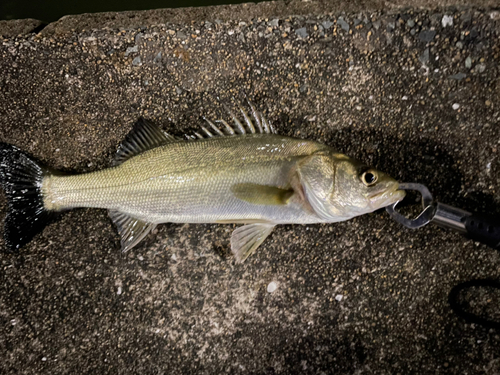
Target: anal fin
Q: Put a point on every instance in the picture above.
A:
(246, 239)
(131, 230)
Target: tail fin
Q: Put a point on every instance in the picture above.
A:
(21, 178)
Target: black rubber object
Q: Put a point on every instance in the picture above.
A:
(483, 229)
(461, 308)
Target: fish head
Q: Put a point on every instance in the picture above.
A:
(338, 187)
(361, 189)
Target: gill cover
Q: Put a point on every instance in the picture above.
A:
(317, 177)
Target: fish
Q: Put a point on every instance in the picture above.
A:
(244, 173)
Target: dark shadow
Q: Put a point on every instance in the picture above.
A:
(39, 28)
(325, 348)
(408, 157)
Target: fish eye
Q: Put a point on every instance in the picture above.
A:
(369, 178)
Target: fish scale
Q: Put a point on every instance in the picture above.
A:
(190, 182)
(254, 178)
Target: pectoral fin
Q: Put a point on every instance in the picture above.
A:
(246, 239)
(131, 230)
(262, 194)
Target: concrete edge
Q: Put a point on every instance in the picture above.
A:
(19, 27)
(243, 12)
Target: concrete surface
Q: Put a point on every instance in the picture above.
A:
(19, 27)
(397, 90)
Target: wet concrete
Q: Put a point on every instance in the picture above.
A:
(413, 92)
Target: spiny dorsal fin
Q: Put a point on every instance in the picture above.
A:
(254, 124)
(143, 137)
(131, 230)
(246, 239)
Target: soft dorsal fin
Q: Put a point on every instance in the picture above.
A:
(143, 137)
(131, 230)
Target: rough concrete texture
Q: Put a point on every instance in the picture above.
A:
(241, 12)
(413, 92)
(19, 27)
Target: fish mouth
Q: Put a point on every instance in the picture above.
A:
(387, 197)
